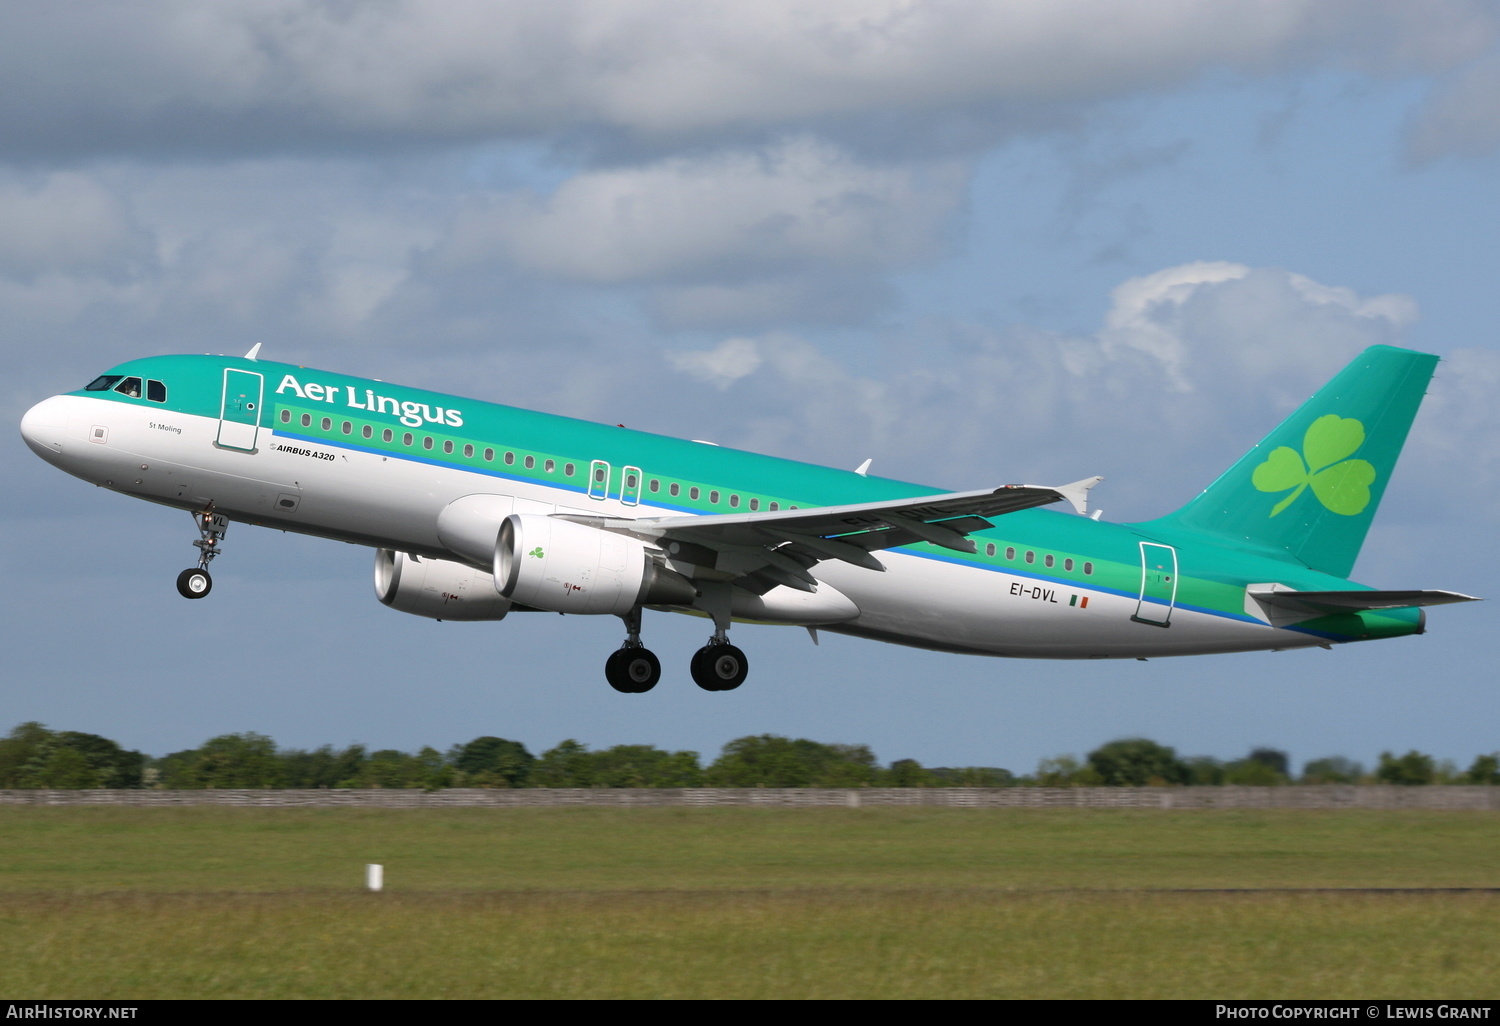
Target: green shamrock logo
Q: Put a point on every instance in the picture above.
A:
(1341, 484)
(537, 552)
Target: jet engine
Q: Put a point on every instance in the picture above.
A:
(564, 567)
(436, 588)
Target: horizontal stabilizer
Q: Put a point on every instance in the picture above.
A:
(1320, 602)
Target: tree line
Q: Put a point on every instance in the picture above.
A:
(32, 756)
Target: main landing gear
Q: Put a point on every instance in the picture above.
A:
(719, 666)
(194, 583)
(634, 669)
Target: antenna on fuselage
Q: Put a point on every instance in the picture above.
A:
(254, 352)
(864, 468)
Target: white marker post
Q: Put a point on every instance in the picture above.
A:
(374, 876)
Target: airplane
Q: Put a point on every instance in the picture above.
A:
(478, 510)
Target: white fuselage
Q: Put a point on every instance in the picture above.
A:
(364, 497)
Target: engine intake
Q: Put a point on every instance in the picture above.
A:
(436, 588)
(565, 567)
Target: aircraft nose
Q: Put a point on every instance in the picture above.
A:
(44, 426)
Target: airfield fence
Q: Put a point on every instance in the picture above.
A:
(1439, 797)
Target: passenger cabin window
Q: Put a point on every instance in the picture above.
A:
(156, 391)
(693, 492)
(468, 452)
(387, 435)
(286, 416)
(130, 387)
(713, 496)
(510, 458)
(489, 455)
(1010, 552)
(674, 488)
(448, 447)
(1088, 568)
(103, 383)
(989, 550)
(568, 469)
(327, 423)
(530, 462)
(427, 441)
(774, 506)
(1030, 556)
(754, 505)
(734, 500)
(1067, 564)
(307, 420)
(1049, 560)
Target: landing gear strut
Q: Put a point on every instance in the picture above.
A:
(632, 669)
(718, 666)
(194, 583)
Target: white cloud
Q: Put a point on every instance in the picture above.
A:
(1455, 446)
(735, 215)
(66, 222)
(1462, 118)
(1146, 311)
(250, 75)
(827, 297)
(721, 366)
(1190, 367)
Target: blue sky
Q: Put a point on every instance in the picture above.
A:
(978, 242)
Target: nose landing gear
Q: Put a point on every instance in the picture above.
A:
(195, 582)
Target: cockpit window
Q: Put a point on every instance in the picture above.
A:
(130, 387)
(103, 383)
(156, 391)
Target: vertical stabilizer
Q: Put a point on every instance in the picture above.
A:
(1309, 490)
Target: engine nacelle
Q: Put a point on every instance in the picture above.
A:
(436, 588)
(564, 567)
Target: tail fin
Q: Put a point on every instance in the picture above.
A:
(1309, 490)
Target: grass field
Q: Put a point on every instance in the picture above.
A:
(214, 902)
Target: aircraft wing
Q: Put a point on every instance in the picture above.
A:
(779, 547)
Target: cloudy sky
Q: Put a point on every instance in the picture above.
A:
(977, 241)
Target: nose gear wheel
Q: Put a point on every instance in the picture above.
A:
(194, 583)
